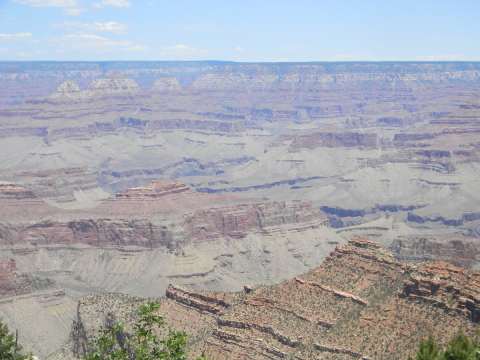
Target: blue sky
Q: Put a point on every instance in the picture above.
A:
(240, 30)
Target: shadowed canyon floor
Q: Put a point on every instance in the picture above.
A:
(126, 177)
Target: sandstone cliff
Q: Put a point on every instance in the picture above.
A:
(359, 304)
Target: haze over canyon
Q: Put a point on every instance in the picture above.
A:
(232, 188)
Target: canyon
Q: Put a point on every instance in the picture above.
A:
(360, 303)
(127, 177)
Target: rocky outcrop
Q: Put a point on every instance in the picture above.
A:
(234, 81)
(367, 250)
(293, 77)
(370, 304)
(68, 90)
(18, 203)
(336, 350)
(327, 139)
(339, 293)
(285, 340)
(130, 211)
(461, 252)
(447, 287)
(138, 125)
(200, 302)
(284, 308)
(10, 191)
(223, 76)
(167, 84)
(8, 270)
(99, 88)
(15, 283)
(247, 136)
(112, 86)
(246, 344)
(154, 191)
(238, 221)
(362, 276)
(99, 232)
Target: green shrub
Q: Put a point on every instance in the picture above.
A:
(9, 347)
(460, 347)
(428, 350)
(115, 343)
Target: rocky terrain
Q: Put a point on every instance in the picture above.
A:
(359, 304)
(128, 176)
(153, 235)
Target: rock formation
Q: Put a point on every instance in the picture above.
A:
(238, 221)
(348, 140)
(167, 84)
(67, 90)
(99, 88)
(448, 287)
(264, 168)
(359, 304)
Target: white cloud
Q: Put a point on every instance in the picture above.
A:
(93, 42)
(114, 3)
(15, 36)
(49, 3)
(73, 11)
(238, 49)
(70, 6)
(98, 26)
(110, 26)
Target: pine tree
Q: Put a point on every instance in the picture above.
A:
(9, 347)
(460, 347)
(115, 343)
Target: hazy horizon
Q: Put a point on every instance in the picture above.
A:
(220, 61)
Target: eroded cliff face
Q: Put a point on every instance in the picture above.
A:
(263, 168)
(359, 304)
(160, 232)
(98, 89)
(348, 140)
(15, 283)
(238, 221)
(461, 252)
(447, 287)
(320, 131)
(156, 234)
(97, 232)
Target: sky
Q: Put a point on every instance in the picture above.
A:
(240, 30)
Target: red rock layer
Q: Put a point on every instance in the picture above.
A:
(155, 190)
(238, 221)
(359, 304)
(448, 287)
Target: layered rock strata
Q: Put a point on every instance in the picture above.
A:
(361, 302)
